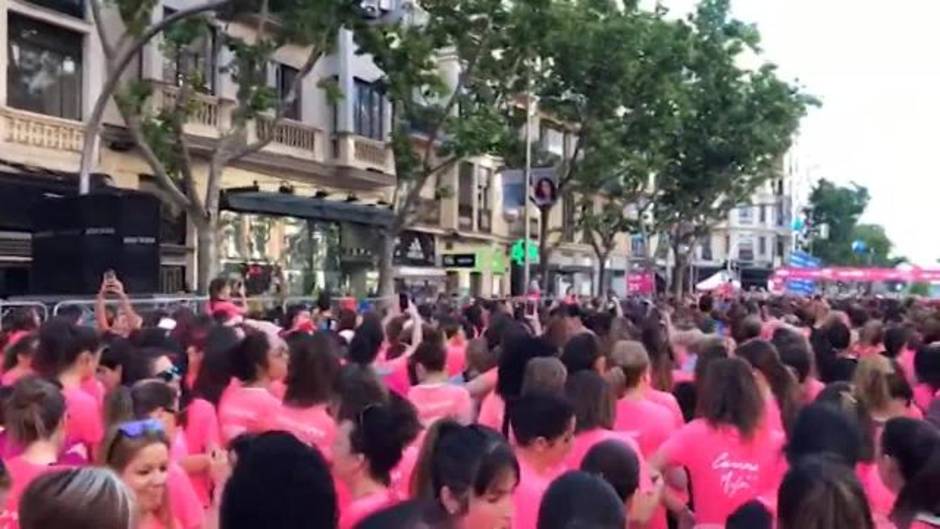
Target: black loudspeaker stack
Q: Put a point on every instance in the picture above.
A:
(77, 238)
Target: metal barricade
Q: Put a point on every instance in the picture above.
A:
(84, 309)
(7, 308)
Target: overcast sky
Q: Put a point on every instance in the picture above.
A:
(876, 67)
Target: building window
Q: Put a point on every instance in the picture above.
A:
(465, 196)
(746, 250)
(197, 61)
(745, 214)
(728, 246)
(762, 246)
(284, 78)
(483, 188)
(781, 216)
(75, 8)
(567, 218)
(781, 247)
(707, 248)
(763, 213)
(44, 72)
(369, 110)
(553, 140)
(638, 246)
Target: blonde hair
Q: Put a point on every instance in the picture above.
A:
(544, 374)
(119, 450)
(78, 498)
(872, 384)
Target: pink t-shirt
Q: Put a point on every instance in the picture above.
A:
(584, 441)
(649, 423)
(725, 470)
(923, 395)
(10, 377)
(880, 498)
(925, 521)
(22, 473)
(456, 358)
(312, 426)
(664, 398)
(906, 361)
(226, 307)
(772, 416)
(811, 389)
(528, 495)
(84, 424)
(441, 401)
(202, 436)
(395, 375)
(184, 502)
(95, 388)
(356, 510)
(492, 412)
(246, 410)
(401, 474)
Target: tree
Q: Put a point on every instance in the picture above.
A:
(487, 40)
(838, 208)
(733, 127)
(156, 124)
(616, 98)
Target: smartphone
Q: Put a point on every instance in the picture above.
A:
(530, 308)
(403, 301)
(109, 276)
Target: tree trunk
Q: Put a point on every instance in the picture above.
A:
(207, 253)
(678, 276)
(386, 290)
(602, 283)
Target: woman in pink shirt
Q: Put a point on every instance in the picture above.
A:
(435, 397)
(78, 498)
(139, 452)
(882, 389)
(518, 349)
(249, 406)
(200, 420)
(34, 416)
(311, 373)
(777, 384)
(650, 423)
(822, 493)
(729, 457)
(156, 400)
(543, 426)
(220, 304)
(70, 353)
(368, 445)
(910, 466)
(470, 473)
(18, 357)
(927, 371)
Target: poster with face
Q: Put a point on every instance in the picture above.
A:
(544, 193)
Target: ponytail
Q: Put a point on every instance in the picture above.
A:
(421, 485)
(118, 406)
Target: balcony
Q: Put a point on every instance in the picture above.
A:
(292, 138)
(363, 153)
(428, 212)
(465, 217)
(207, 115)
(44, 132)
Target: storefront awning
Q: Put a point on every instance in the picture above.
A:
(287, 205)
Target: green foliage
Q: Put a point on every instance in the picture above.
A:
(839, 208)
(878, 244)
(730, 128)
(919, 289)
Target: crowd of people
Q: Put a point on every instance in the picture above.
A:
(737, 412)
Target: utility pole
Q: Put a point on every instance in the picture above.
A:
(527, 186)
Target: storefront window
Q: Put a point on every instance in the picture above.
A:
(44, 73)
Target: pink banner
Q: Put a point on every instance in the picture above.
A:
(641, 284)
(866, 275)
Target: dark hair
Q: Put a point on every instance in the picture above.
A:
(617, 464)
(465, 459)
(764, 358)
(539, 414)
(33, 410)
(279, 482)
(381, 432)
(25, 346)
(729, 396)
(346, 320)
(516, 354)
(751, 515)
(357, 387)
(915, 445)
(431, 355)
(216, 286)
(653, 336)
(818, 493)
(215, 373)
(842, 396)
(896, 337)
(578, 499)
(366, 342)
(581, 353)
(927, 365)
(746, 329)
(592, 399)
(60, 344)
(311, 370)
(250, 355)
(77, 498)
(839, 335)
(795, 353)
(709, 349)
(823, 428)
(138, 402)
